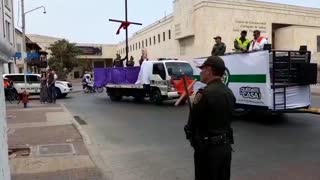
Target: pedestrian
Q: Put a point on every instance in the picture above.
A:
(209, 126)
(258, 42)
(242, 44)
(43, 88)
(130, 62)
(219, 48)
(51, 87)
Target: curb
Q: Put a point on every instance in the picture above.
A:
(94, 153)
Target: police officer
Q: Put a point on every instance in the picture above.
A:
(208, 129)
(219, 48)
(242, 44)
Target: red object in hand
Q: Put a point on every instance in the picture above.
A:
(179, 85)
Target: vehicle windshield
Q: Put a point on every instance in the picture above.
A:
(179, 68)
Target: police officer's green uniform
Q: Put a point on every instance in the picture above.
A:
(209, 129)
(218, 49)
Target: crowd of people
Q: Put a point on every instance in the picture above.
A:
(118, 62)
(241, 44)
(47, 87)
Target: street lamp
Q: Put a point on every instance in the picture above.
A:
(24, 46)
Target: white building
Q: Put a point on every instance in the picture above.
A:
(188, 32)
(7, 51)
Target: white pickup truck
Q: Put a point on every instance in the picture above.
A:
(155, 80)
(33, 84)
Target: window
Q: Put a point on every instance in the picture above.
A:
(178, 69)
(146, 43)
(16, 78)
(7, 34)
(150, 41)
(164, 36)
(130, 48)
(136, 46)
(169, 34)
(158, 68)
(142, 44)
(33, 79)
(139, 45)
(154, 39)
(318, 43)
(6, 3)
(19, 47)
(158, 38)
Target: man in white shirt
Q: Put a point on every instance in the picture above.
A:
(258, 42)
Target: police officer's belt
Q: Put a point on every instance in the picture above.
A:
(218, 140)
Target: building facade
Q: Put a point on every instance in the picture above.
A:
(36, 57)
(92, 55)
(9, 67)
(7, 50)
(188, 32)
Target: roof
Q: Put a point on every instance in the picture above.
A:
(166, 61)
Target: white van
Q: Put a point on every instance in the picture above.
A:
(33, 84)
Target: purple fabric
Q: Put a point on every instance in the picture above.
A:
(125, 75)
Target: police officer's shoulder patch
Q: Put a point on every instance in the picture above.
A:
(198, 96)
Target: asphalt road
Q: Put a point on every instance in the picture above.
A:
(147, 142)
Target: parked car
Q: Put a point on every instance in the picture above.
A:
(33, 84)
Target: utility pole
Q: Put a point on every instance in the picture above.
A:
(24, 45)
(125, 25)
(24, 48)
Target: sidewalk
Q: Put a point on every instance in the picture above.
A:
(45, 144)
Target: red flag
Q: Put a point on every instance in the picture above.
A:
(123, 25)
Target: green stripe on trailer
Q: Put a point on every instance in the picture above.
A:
(252, 78)
(248, 78)
(197, 77)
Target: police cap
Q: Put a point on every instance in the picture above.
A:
(216, 63)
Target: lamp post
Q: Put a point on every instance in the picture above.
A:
(24, 46)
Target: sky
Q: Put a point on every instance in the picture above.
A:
(86, 21)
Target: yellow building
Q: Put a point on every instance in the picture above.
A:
(188, 32)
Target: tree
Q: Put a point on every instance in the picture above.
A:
(63, 58)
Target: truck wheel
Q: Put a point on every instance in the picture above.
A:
(156, 97)
(100, 89)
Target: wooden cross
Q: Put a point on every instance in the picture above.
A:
(125, 25)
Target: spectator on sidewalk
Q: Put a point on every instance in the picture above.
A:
(51, 87)
(43, 88)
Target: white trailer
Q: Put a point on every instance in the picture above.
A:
(276, 81)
